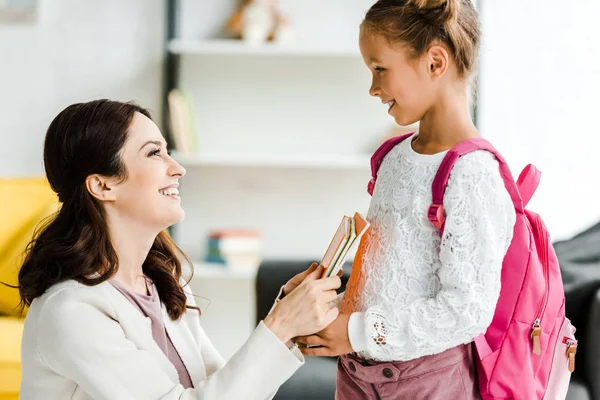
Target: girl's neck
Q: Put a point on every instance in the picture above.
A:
(446, 124)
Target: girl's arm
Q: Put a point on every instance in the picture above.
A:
(480, 217)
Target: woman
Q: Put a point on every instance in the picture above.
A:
(109, 316)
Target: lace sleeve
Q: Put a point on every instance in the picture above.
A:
(479, 225)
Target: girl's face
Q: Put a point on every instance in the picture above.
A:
(149, 195)
(402, 83)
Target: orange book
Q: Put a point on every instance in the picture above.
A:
(349, 232)
(337, 243)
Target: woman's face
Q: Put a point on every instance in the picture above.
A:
(150, 192)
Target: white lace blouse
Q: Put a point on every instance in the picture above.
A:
(424, 294)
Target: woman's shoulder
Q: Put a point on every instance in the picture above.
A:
(56, 315)
(64, 297)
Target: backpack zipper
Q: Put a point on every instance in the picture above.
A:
(571, 351)
(536, 329)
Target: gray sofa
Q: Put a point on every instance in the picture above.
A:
(579, 258)
(316, 379)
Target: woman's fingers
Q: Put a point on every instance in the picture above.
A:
(333, 282)
(329, 296)
(314, 275)
(310, 269)
(330, 316)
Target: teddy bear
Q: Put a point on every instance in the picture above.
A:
(258, 21)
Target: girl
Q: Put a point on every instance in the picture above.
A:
(108, 317)
(422, 298)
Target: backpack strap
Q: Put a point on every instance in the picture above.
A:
(436, 213)
(528, 182)
(378, 156)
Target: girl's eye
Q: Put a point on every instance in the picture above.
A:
(379, 69)
(154, 153)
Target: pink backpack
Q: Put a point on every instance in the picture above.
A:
(528, 351)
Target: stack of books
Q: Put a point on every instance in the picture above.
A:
(182, 122)
(349, 232)
(237, 249)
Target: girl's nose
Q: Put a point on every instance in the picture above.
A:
(374, 90)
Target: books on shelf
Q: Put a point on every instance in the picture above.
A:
(235, 248)
(181, 122)
(349, 232)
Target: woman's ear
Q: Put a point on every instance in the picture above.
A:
(438, 60)
(100, 187)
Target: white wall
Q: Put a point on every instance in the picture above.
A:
(77, 51)
(538, 97)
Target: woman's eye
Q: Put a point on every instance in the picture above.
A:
(154, 153)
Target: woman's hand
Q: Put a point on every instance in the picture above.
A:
(307, 308)
(297, 279)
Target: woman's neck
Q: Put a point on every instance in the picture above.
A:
(132, 243)
(446, 124)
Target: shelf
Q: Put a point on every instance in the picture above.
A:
(316, 161)
(203, 270)
(238, 47)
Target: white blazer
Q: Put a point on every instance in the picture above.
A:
(89, 342)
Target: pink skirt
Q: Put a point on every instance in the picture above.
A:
(447, 375)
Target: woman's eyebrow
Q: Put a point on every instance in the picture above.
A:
(156, 142)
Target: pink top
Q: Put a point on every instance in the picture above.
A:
(150, 306)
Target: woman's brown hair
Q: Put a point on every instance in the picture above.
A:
(86, 139)
(418, 23)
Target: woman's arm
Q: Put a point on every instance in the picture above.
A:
(78, 338)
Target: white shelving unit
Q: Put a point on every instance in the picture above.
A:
(309, 161)
(285, 136)
(238, 47)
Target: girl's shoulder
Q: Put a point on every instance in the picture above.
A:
(477, 162)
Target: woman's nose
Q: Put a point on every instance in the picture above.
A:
(176, 169)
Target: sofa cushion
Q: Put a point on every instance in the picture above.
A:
(592, 346)
(315, 380)
(578, 390)
(11, 330)
(25, 202)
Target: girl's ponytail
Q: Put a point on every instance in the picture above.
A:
(440, 12)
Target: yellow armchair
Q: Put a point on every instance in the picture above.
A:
(25, 203)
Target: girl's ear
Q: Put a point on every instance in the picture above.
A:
(437, 61)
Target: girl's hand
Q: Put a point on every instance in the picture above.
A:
(297, 280)
(331, 341)
(306, 309)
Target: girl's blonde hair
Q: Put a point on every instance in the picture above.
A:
(417, 24)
